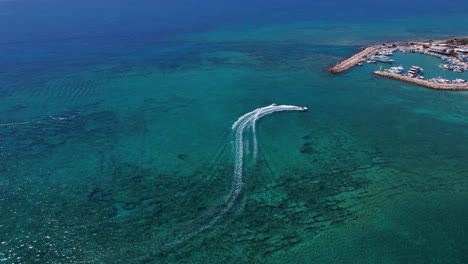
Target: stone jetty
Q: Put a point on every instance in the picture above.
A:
(425, 83)
(353, 60)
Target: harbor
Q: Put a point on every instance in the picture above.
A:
(445, 61)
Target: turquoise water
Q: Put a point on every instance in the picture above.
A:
(124, 152)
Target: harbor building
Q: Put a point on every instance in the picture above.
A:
(439, 49)
(461, 51)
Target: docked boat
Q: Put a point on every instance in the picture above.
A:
(397, 70)
(414, 71)
(385, 53)
(382, 58)
(440, 80)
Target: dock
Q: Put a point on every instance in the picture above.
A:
(352, 61)
(425, 83)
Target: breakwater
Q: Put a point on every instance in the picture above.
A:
(425, 83)
(350, 62)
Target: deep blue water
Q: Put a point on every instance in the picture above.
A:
(117, 147)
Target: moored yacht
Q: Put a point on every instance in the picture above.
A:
(385, 53)
(381, 58)
(396, 70)
(414, 71)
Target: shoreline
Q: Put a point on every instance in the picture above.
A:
(425, 83)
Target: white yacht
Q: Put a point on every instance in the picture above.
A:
(382, 58)
(397, 70)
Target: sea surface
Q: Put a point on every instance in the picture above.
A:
(117, 142)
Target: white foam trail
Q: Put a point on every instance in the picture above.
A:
(244, 122)
(254, 130)
(265, 111)
(14, 123)
(61, 118)
(239, 126)
(38, 120)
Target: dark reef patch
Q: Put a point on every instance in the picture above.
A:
(182, 156)
(98, 196)
(307, 148)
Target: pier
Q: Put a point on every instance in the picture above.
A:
(425, 83)
(350, 62)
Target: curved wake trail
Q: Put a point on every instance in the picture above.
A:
(244, 122)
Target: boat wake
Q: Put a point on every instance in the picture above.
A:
(239, 127)
(39, 120)
(247, 121)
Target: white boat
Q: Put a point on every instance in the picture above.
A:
(441, 80)
(381, 58)
(385, 53)
(397, 70)
(414, 71)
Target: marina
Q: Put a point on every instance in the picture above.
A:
(429, 64)
(440, 64)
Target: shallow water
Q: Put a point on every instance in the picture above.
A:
(124, 156)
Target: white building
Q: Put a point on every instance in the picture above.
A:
(462, 51)
(439, 49)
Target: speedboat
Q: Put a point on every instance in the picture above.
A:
(303, 108)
